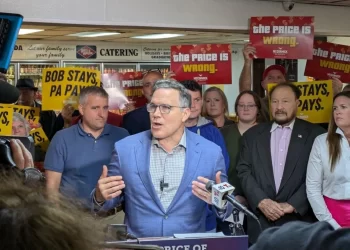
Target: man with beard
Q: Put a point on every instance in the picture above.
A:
(273, 162)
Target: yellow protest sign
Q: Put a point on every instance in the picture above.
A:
(6, 116)
(61, 86)
(315, 102)
(40, 138)
(31, 114)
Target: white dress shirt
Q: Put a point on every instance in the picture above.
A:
(321, 181)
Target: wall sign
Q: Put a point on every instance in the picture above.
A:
(91, 52)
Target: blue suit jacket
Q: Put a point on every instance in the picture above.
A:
(144, 213)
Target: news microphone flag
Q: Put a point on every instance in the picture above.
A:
(219, 191)
(10, 25)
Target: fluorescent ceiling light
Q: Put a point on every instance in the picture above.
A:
(94, 34)
(28, 31)
(157, 36)
(247, 40)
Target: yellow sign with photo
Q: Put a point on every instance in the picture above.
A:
(61, 86)
(315, 102)
(6, 116)
(31, 114)
(40, 138)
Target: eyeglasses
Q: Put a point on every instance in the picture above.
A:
(164, 108)
(249, 106)
(151, 70)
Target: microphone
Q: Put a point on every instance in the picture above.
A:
(221, 193)
(126, 235)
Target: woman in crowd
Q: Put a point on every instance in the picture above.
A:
(328, 171)
(21, 127)
(249, 112)
(216, 107)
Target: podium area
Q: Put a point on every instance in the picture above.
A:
(212, 243)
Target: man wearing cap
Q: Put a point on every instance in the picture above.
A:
(27, 98)
(21, 156)
(272, 74)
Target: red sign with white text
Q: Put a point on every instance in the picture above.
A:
(124, 88)
(282, 37)
(204, 63)
(330, 60)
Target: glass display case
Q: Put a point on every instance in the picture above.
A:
(163, 67)
(11, 74)
(95, 66)
(109, 68)
(34, 71)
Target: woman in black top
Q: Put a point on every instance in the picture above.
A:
(249, 112)
(216, 107)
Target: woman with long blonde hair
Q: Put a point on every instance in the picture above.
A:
(216, 107)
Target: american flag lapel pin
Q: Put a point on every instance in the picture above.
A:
(300, 136)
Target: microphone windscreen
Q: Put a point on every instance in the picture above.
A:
(8, 93)
(209, 185)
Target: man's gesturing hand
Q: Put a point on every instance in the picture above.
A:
(108, 187)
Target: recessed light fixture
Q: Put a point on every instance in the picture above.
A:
(157, 36)
(94, 34)
(28, 31)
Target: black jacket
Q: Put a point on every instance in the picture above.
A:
(255, 172)
(137, 121)
(304, 236)
(47, 120)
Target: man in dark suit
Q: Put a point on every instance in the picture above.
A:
(273, 162)
(138, 120)
(27, 98)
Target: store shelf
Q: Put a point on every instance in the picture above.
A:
(30, 74)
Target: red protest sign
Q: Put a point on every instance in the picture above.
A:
(123, 88)
(282, 37)
(204, 63)
(330, 60)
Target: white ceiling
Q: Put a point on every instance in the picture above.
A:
(320, 2)
(60, 32)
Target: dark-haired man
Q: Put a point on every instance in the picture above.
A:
(273, 161)
(205, 128)
(27, 92)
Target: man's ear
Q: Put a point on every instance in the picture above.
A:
(186, 114)
(80, 108)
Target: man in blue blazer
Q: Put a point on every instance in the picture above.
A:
(161, 174)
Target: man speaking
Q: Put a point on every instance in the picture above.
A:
(161, 173)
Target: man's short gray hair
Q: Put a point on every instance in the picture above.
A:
(17, 117)
(185, 97)
(91, 90)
